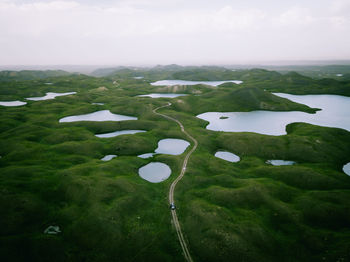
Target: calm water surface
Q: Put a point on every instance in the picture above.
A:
(228, 156)
(103, 115)
(50, 95)
(147, 155)
(155, 172)
(12, 103)
(334, 113)
(108, 157)
(119, 133)
(172, 146)
(188, 83)
(165, 95)
(346, 169)
(280, 162)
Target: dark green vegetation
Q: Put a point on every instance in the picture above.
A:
(30, 75)
(51, 173)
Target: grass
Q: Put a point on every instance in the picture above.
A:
(51, 174)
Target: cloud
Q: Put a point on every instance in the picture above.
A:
(128, 30)
(341, 7)
(296, 16)
(125, 20)
(39, 6)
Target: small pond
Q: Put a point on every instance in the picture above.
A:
(187, 83)
(172, 146)
(108, 157)
(50, 95)
(155, 172)
(280, 162)
(12, 103)
(164, 95)
(103, 115)
(147, 155)
(119, 133)
(346, 169)
(228, 156)
(334, 113)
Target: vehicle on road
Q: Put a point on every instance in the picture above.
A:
(172, 206)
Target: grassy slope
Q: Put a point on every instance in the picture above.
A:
(251, 210)
(240, 99)
(51, 174)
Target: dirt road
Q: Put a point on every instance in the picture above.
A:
(173, 185)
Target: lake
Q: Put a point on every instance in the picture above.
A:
(334, 113)
(165, 95)
(188, 83)
(155, 172)
(228, 156)
(119, 133)
(172, 146)
(103, 115)
(12, 103)
(50, 95)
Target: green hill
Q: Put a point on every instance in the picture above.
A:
(51, 173)
(239, 99)
(30, 74)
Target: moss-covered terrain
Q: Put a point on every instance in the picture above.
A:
(51, 172)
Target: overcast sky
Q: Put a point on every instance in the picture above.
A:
(145, 32)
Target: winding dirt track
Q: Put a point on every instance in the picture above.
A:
(173, 185)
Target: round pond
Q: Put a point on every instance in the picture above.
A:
(346, 169)
(228, 156)
(172, 146)
(155, 172)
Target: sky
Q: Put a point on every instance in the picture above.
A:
(147, 32)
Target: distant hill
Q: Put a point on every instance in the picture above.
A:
(30, 74)
(134, 71)
(172, 71)
(295, 83)
(101, 72)
(315, 71)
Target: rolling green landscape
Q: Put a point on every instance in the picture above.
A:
(51, 173)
